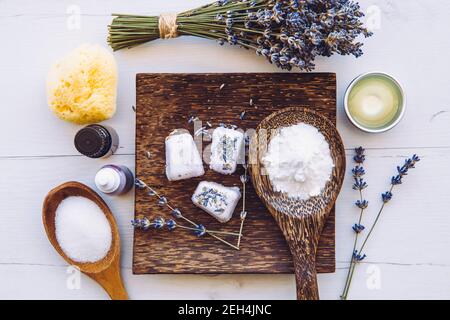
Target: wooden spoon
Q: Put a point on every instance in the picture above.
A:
(105, 271)
(301, 221)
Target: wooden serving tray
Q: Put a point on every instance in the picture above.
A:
(164, 102)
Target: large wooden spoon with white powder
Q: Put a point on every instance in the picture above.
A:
(301, 221)
(105, 271)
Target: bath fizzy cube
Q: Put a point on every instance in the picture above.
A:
(82, 86)
(227, 149)
(183, 160)
(217, 200)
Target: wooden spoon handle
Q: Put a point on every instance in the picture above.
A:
(115, 289)
(111, 280)
(305, 273)
(302, 235)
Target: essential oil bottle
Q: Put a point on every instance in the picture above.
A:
(97, 141)
(114, 179)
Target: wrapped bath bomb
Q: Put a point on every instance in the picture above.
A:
(82, 86)
(226, 150)
(217, 200)
(183, 160)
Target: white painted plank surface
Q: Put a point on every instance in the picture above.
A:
(411, 243)
(395, 282)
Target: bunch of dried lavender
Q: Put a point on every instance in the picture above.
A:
(358, 255)
(289, 33)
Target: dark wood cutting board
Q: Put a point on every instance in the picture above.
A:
(165, 102)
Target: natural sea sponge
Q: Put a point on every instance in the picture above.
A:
(82, 86)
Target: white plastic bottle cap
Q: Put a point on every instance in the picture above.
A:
(107, 180)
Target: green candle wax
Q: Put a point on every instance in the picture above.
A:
(375, 101)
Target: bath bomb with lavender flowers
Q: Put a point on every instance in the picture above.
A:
(183, 160)
(226, 150)
(81, 87)
(217, 200)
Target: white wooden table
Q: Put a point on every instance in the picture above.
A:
(409, 257)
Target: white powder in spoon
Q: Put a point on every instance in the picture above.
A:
(82, 229)
(298, 161)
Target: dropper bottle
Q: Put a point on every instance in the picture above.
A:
(114, 180)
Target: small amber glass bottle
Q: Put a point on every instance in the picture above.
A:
(97, 141)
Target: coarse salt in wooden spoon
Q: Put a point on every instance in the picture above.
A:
(106, 271)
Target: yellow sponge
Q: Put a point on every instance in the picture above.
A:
(82, 86)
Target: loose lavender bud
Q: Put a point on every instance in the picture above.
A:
(357, 257)
(362, 204)
(139, 184)
(171, 224)
(176, 213)
(200, 230)
(358, 171)
(358, 228)
(386, 197)
(162, 201)
(359, 184)
(158, 223)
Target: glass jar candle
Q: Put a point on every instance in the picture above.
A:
(375, 102)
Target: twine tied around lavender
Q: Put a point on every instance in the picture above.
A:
(167, 25)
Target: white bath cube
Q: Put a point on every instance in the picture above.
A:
(216, 199)
(226, 150)
(183, 160)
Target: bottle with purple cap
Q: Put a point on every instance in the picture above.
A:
(114, 179)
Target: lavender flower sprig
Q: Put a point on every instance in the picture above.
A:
(143, 223)
(244, 180)
(359, 185)
(288, 33)
(243, 215)
(386, 197)
(176, 213)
